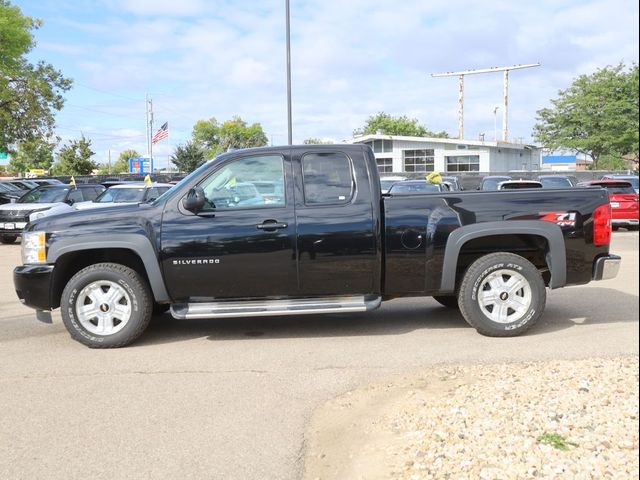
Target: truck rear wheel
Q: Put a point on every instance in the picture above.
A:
(502, 295)
(106, 305)
(8, 238)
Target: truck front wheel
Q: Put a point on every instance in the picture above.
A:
(106, 305)
(502, 295)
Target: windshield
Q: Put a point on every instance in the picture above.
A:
(186, 179)
(492, 183)
(45, 194)
(402, 187)
(555, 182)
(632, 180)
(121, 195)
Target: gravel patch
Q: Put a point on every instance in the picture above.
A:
(551, 420)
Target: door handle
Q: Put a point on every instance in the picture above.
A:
(271, 225)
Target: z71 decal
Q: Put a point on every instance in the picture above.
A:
(564, 219)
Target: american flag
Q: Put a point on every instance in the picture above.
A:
(163, 132)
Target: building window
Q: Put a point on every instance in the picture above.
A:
(381, 146)
(418, 160)
(385, 165)
(467, 163)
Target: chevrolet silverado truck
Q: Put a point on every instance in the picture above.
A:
(320, 238)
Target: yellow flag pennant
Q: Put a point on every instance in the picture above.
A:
(434, 177)
(147, 180)
(72, 182)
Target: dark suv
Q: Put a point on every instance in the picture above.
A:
(15, 216)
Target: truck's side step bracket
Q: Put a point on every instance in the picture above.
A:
(263, 308)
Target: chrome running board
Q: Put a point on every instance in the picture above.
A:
(264, 308)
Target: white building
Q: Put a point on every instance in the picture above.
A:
(423, 154)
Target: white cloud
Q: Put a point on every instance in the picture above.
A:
(350, 59)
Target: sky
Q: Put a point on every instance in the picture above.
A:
(350, 59)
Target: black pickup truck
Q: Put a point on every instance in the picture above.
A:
(305, 229)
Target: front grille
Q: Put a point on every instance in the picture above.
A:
(14, 217)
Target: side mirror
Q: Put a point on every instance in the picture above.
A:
(194, 200)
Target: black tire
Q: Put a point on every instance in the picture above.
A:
(531, 298)
(8, 238)
(615, 228)
(632, 228)
(449, 301)
(136, 296)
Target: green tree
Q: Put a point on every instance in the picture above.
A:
(29, 93)
(188, 157)
(215, 138)
(34, 153)
(74, 158)
(596, 116)
(315, 141)
(121, 165)
(612, 162)
(389, 125)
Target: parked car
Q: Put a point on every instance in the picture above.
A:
(387, 182)
(633, 179)
(623, 199)
(417, 186)
(272, 192)
(122, 194)
(555, 181)
(25, 185)
(9, 193)
(492, 181)
(133, 192)
(15, 216)
(333, 246)
(46, 181)
(453, 182)
(518, 184)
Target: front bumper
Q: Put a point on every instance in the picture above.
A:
(606, 267)
(33, 285)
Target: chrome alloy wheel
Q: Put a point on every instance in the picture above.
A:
(504, 296)
(103, 307)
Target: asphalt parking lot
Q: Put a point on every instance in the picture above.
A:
(231, 398)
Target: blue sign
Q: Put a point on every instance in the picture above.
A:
(140, 165)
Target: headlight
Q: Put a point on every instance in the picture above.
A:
(34, 247)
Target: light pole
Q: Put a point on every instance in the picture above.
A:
(290, 135)
(495, 123)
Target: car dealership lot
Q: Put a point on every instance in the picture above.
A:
(231, 398)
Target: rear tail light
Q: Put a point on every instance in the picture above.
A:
(602, 225)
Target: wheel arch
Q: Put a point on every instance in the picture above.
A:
(134, 251)
(555, 254)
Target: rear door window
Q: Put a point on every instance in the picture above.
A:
(327, 178)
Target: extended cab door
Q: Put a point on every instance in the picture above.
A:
(241, 244)
(337, 213)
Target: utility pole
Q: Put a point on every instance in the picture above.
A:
(290, 134)
(146, 111)
(505, 99)
(151, 130)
